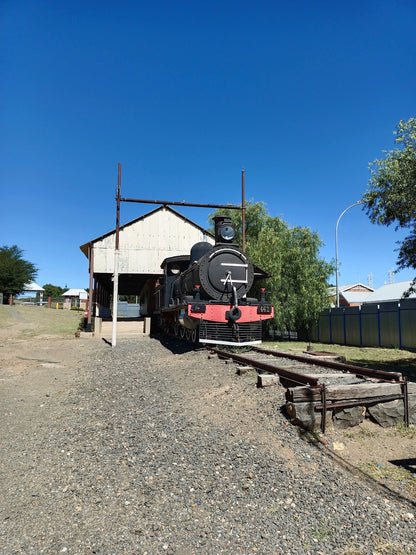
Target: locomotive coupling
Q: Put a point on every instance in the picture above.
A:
(233, 315)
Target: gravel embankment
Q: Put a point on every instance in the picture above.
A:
(155, 452)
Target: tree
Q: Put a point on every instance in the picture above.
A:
(298, 282)
(14, 271)
(391, 194)
(53, 291)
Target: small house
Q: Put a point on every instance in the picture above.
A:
(354, 294)
(75, 297)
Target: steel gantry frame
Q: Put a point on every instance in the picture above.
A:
(119, 199)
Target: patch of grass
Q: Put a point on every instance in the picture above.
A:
(6, 317)
(380, 471)
(312, 436)
(37, 320)
(322, 533)
(406, 431)
(360, 433)
(387, 472)
(381, 547)
(274, 510)
(353, 549)
(364, 432)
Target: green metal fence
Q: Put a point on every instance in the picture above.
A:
(382, 325)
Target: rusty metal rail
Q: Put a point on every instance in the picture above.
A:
(295, 377)
(303, 379)
(352, 369)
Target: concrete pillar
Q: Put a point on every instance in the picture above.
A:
(146, 327)
(97, 325)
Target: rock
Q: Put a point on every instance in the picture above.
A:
(348, 417)
(391, 413)
(387, 414)
(304, 415)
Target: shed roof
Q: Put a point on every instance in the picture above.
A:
(32, 286)
(74, 293)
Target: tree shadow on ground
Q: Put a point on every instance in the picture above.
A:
(406, 366)
(408, 464)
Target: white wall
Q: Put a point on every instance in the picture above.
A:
(147, 242)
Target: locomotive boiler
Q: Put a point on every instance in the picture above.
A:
(204, 296)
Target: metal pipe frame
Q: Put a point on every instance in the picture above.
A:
(175, 203)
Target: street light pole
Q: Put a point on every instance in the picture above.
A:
(336, 246)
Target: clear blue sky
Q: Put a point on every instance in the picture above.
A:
(184, 94)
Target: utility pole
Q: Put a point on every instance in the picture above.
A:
(336, 246)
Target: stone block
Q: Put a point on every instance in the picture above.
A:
(391, 413)
(348, 417)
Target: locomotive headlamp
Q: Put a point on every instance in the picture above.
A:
(224, 230)
(227, 233)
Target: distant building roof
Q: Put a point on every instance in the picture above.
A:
(81, 293)
(32, 286)
(357, 287)
(356, 297)
(390, 292)
(354, 286)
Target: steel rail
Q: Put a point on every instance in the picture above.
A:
(295, 377)
(352, 369)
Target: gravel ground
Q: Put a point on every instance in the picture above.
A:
(156, 449)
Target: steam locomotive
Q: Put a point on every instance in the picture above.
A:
(203, 296)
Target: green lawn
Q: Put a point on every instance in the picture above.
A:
(25, 321)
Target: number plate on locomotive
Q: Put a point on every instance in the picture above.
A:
(264, 309)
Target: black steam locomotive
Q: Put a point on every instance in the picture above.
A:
(203, 296)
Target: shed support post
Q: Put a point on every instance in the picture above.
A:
(116, 254)
(91, 290)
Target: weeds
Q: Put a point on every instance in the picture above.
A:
(311, 436)
(406, 431)
(322, 533)
(399, 476)
(353, 549)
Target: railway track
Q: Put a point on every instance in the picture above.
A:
(313, 391)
